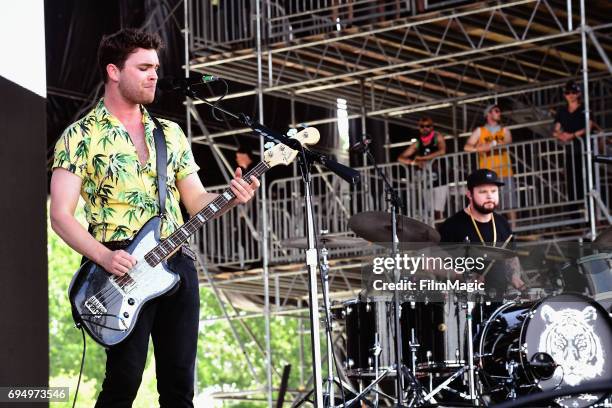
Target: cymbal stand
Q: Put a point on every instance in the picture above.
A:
(393, 198)
(470, 336)
(324, 268)
(376, 351)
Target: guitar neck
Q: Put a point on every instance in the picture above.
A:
(180, 235)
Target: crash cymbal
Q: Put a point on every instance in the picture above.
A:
(604, 240)
(489, 252)
(375, 226)
(328, 241)
(473, 251)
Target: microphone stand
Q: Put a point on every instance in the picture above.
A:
(396, 203)
(305, 160)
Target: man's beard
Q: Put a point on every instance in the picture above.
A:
(133, 95)
(482, 209)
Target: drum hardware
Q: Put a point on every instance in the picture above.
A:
(485, 250)
(324, 268)
(366, 390)
(444, 386)
(348, 364)
(376, 350)
(470, 347)
(379, 227)
(414, 347)
(390, 228)
(328, 241)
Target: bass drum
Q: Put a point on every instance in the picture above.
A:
(560, 341)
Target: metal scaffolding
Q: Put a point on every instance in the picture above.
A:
(391, 61)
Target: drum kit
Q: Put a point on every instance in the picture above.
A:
(458, 351)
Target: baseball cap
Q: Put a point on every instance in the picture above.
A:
(488, 109)
(483, 176)
(572, 86)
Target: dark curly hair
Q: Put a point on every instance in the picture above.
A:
(115, 48)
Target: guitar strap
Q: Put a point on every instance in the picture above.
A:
(160, 165)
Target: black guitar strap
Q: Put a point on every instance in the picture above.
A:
(161, 165)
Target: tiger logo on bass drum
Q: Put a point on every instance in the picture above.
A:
(571, 341)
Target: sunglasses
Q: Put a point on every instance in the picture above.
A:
(572, 92)
(425, 126)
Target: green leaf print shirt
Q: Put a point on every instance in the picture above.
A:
(120, 193)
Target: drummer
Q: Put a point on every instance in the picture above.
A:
(479, 224)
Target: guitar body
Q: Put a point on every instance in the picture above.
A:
(108, 306)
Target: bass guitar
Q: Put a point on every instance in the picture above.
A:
(107, 306)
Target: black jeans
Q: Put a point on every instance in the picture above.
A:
(172, 322)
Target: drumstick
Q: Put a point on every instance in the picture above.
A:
(493, 261)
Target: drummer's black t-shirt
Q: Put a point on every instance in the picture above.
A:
(457, 227)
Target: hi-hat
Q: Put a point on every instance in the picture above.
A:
(490, 252)
(328, 241)
(375, 226)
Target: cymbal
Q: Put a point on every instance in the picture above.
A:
(375, 226)
(604, 240)
(328, 241)
(473, 251)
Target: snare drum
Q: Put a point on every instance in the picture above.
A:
(369, 335)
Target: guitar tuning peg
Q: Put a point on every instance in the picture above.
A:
(269, 145)
(292, 132)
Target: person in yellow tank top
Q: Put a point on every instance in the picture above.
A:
(486, 141)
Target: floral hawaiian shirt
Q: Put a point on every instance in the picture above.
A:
(120, 193)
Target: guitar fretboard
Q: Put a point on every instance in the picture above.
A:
(182, 234)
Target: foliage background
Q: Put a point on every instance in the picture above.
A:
(220, 363)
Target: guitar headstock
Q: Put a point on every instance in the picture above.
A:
(282, 154)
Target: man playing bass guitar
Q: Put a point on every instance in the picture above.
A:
(108, 157)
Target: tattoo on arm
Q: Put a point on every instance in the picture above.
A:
(513, 267)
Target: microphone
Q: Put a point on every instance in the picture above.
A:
(361, 146)
(347, 174)
(170, 83)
